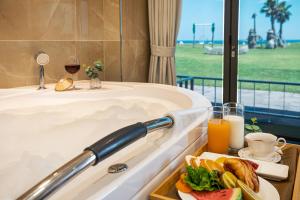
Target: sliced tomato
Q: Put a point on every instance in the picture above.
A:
(183, 187)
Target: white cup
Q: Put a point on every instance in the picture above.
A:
(263, 144)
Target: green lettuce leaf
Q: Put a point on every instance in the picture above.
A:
(200, 179)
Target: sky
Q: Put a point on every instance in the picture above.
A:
(209, 11)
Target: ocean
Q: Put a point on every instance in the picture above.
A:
(221, 41)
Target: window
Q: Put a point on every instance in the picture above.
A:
(268, 66)
(260, 63)
(199, 52)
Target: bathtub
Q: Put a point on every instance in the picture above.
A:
(42, 130)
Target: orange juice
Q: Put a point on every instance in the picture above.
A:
(218, 135)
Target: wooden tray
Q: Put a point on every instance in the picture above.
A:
(167, 191)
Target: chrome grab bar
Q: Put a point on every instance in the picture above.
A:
(94, 154)
(55, 180)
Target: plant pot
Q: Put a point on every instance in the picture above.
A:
(95, 83)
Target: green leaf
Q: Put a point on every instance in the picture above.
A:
(99, 67)
(255, 128)
(98, 62)
(248, 127)
(254, 120)
(200, 179)
(215, 180)
(89, 73)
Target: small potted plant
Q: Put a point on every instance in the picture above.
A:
(92, 71)
(251, 128)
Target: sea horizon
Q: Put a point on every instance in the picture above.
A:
(242, 41)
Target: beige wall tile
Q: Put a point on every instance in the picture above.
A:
(37, 20)
(136, 51)
(98, 19)
(18, 66)
(90, 22)
(111, 19)
(135, 20)
(136, 57)
(52, 26)
(88, 52)
(107, 51)
(112, 61)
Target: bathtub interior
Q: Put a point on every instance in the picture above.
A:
(47, 129)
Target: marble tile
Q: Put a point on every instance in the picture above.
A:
(111, 20)
(87, 53)
(37, 20)
(18, 66)
(98, 19)
(112, 71)
(135, 20)
(136, 58)
(88, 29)
(90, 22)
(107, 51)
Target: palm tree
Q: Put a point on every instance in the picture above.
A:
(283, 15)
(212, 34)
(254, 22)
(270, 10)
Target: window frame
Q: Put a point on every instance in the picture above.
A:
(230, 74)
(230, 59)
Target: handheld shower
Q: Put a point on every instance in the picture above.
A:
(42, 59)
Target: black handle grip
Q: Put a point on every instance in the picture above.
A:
(117, 141)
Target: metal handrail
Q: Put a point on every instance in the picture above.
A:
(270, 82)
(60, 176)
(185, 77)
(189, 81)
(93, 155)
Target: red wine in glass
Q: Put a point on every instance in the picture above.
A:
(72, 68)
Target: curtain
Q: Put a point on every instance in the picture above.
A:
(164, 20)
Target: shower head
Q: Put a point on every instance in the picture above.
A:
(42, 58)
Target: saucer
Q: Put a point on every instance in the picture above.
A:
(245, 153)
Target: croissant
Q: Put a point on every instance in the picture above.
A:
(244, 171)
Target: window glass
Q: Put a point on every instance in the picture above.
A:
(269, 55)
(199, 51)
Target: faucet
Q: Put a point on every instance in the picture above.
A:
(42, 59)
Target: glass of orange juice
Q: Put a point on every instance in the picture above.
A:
(218, 131)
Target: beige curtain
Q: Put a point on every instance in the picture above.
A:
(164, 19)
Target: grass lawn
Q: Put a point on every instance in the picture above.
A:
(281, 64)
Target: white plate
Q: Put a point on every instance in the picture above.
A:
(265, 169)
(245, 153)
(266, 191)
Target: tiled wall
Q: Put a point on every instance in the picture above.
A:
(136, 48)
(88, 29)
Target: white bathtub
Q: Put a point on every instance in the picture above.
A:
(41, 130)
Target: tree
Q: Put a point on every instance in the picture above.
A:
(254, 22)
(213, 28)
(283, 15)
(270, 9)
(194, 34)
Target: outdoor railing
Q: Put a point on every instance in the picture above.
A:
(199, 83)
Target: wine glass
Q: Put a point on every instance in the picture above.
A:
(72, 67)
